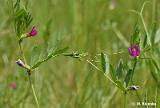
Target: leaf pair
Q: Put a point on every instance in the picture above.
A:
(108, 68)
(41, 56)
(116, 75)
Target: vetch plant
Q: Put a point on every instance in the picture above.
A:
(141, 52)
(122, 76)
(22, 20)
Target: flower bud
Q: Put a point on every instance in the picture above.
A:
(134, 50)
(33, 32)
(20, 63)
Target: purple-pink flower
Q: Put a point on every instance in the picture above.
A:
(13, 85)
(134, 50)
(33, 32)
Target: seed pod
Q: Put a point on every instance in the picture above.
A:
(133, 87)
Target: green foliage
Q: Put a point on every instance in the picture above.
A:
(120, 85)
(105, 63)
(22, 18)
(155, 70)
(47, 30)
(119, 70)
(157, 36)
(145, 41)
(153, 30)
(76, 55)
(156, 65)
(128, 77)
(48, 56)
(72, 84)
(35, 55)
(135, 39)
(112, 73)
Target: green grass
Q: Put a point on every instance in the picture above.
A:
(85, 26)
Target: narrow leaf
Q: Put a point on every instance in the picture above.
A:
(154, 71)
(145, 41)
(128, 77)
(34, 55)
(54, 54)
(112, 73)
(157, 36)
(105, 63)
(119, 69)
(120, 85)
(156, 65)
(135, 36)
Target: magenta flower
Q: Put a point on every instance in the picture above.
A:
(33, 32)
(134, 50)
(13, 85)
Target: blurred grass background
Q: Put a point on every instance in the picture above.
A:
(84, 26)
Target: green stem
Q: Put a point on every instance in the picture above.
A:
(21, 50)
(33, 91)
(101, 71)
(145, 28)
(125, 99)
(144, 24)
(158, 96)
(29, 74)
(134, 67)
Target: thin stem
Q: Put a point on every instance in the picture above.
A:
(145, 28)
(21, 50)
(134, 67)
(33, 91)
(29, 74)
(154, 12)
(156, 95)
(125, 99)
(142, 19)
(143, 6)
(93, 65)
(101, 71)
